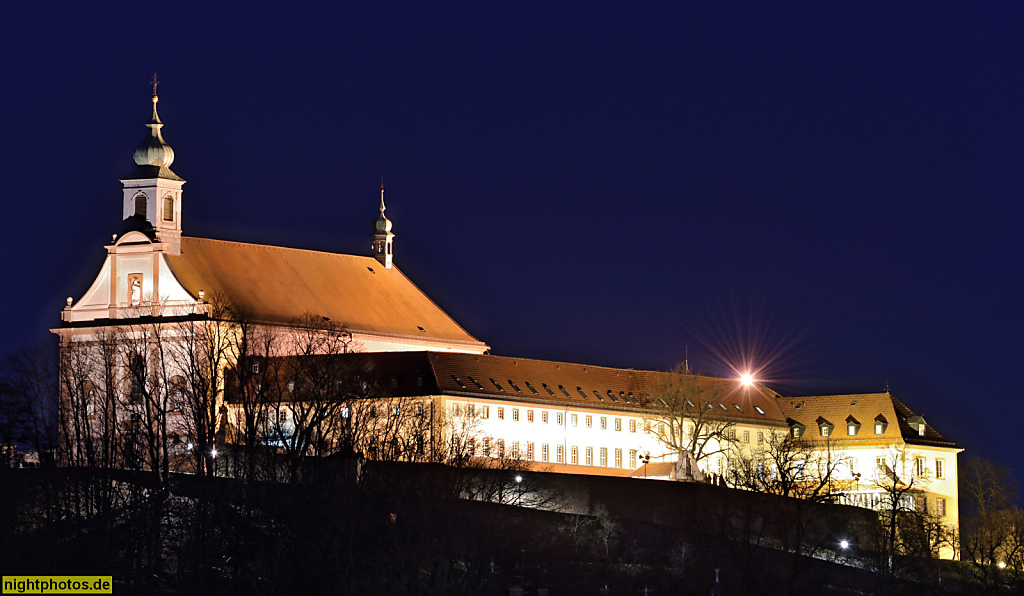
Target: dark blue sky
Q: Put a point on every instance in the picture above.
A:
(831, 189)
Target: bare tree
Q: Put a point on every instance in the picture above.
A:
(688, 419)
(992, 531)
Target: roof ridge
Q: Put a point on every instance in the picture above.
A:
(274, 246)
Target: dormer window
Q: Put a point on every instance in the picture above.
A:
(852, 426)
(917, 423)
(797, 430)
(824, 427)
(881, 424)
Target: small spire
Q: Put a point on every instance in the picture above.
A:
(382, 207)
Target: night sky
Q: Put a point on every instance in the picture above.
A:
(828, 191)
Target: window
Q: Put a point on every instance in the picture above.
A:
(419, 409)
(168, 208)
(612, 396)
(558, 418)
(529, 415)
(471, 446)
(487, 446)
(580, 391)
(598, 395)
(590, 421)
(825, 429)
(618, 458)
(851, 429)
(760, 437)
(590, 456)
(880, 424)
(798, 469)
(497, 385)
(501, 448)
(632, 459)
(920, 465)
(282, 416)
(394, 410)
(140, 205)
(604, 423)
(940, 507)
(515, 414)
(485, 412)
(544, 417)
(746, 436)
(559, 455)
(471, 379)
(470, 410)
(514, 386)
(529, 451)
(759, 410)
(647, 426)
(564, 392)
(604, 457)
(853, 467)
(501, 413)
(661, 428)
(544, 453)
(880, 463)
(515, 449)
(573, 419)
(940, 468)
(632, 426)
(530, 387)
(455, 410)
(575, 455)
(548, 389)
(459, 381)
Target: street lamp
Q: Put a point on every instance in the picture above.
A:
(844, 544)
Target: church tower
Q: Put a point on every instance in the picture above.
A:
(382, 236)
(152, 192)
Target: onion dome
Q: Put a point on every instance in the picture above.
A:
(153, 150)
(382, 225)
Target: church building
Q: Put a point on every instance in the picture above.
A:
(551, 416)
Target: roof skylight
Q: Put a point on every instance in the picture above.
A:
(548, 389)
(500, 388)
(530, 387)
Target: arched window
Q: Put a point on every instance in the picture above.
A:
(168, 208)
(140, 205)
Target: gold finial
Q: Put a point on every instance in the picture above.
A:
(154, 80)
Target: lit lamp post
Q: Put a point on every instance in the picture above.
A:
(213, 456)
(519, 489)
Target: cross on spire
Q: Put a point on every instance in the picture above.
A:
(154, 80)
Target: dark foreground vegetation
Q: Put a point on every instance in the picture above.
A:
(397, 529)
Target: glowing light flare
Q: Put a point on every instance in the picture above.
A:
(844, 544)
(747, 379)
